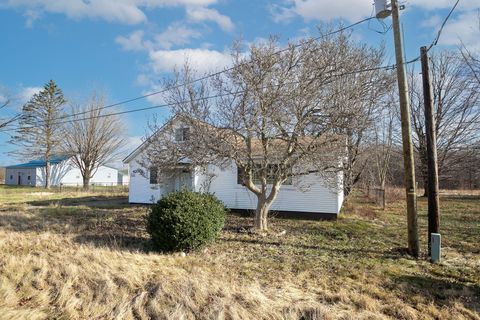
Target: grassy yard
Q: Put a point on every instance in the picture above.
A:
(76, 255)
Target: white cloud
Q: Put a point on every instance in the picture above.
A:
(351, 10)
(322, 10)
(199, 14)
(202, 60)
(176, 34)
(26, 94)
(133, 42)
(445, 4)
(142, 80)
(123, 11)
(31, 16)
(464, 29)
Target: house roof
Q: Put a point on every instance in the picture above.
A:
(256, 144)
(145, 143)
(40, 163)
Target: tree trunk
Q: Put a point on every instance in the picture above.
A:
(384, 200)
(261, 214)
(86, 182)
(47, 175)
(425, 185)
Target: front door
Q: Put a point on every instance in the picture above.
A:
(19, 180)
(183, 181)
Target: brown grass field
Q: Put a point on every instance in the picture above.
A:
(76, 255)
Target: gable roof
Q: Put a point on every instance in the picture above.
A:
(144, 144)
(40, 163)
(256, 144)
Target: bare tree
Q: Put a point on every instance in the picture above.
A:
(360, 97)
(381, 144)
(457, 112)
(39, 133)
(92, 138)
(472, 58)
(276, 117)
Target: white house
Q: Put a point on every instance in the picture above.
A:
(317, 200)
(63, 172)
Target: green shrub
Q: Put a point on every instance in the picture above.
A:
(185, 220)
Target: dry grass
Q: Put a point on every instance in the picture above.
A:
(81, 256)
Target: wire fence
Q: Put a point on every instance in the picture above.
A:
(95, 187)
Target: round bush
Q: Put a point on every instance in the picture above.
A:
(185, 220)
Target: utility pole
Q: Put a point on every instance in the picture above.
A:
(432, 173)
(413, 244)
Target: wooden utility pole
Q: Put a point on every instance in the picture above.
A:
(432, 172)
(413, 244)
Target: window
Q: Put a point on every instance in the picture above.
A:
(182, 134)
(11, 177)
(28, 178)
(153, 175)
(271, 171)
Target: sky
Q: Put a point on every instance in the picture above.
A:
(125, 48)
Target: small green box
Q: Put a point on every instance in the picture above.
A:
(436, 247)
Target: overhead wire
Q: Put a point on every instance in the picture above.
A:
(210, 75)
(388, 67)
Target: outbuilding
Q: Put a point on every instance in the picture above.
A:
(62, 173)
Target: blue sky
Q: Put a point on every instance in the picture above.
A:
(123, 48)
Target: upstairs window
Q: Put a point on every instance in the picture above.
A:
(153, 175)
(182, 134)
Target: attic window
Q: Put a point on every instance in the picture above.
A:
(182, 134)
(153, 175)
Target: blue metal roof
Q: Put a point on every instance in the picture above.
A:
(40, 163)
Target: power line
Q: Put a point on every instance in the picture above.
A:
(299, 44)
(439, 33)
(388, 67)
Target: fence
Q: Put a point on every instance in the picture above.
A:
(100, 187)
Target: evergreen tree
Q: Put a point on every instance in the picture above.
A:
(39, 132)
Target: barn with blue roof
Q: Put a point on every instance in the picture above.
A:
(63, 172)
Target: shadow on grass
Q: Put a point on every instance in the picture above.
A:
(394, 253)
(441, 292)
(116, 240)
(460, 197)
(94, 201)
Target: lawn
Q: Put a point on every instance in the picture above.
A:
(75, 255)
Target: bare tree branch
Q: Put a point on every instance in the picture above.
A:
(92, 140)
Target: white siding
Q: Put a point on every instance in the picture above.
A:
(223, 183)
(140, 189)
(314, 198)
(104, 176)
